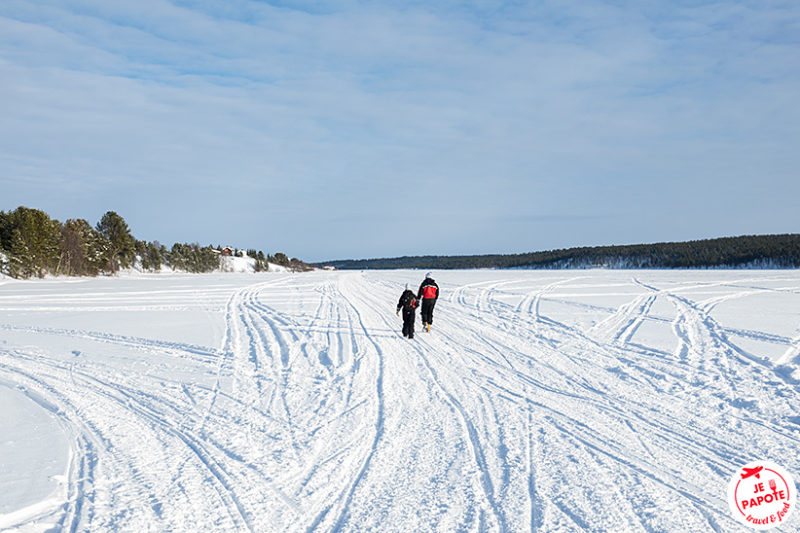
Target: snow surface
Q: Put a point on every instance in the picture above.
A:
(547, 401)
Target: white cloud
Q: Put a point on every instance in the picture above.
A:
(567, 108)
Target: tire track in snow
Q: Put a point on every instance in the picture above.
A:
(474, 442)
(471, 437)
(346, 497)
(538, 393)
(201, 353)
(96, 446)
(611, 352)
(78, 508)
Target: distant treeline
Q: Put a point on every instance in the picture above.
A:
(752, 251)
(34, 245)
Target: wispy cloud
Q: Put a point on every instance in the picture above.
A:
(202, 111)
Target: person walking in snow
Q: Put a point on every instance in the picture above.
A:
(408, 304)
(428, 293)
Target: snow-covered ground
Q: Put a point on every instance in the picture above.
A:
(548, 401)
(229, 263)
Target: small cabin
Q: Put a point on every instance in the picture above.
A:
(227, 251)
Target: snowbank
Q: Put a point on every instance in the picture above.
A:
(227, 264)
(245, 264)
(237, 264)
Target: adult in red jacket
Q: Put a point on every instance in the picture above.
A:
(428, 293)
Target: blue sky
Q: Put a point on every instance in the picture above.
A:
(331, 130)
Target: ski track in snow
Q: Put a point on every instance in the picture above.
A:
(315, 414)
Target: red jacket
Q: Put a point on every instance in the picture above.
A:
(429, 290)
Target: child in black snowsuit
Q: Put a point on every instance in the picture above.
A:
(408, 304)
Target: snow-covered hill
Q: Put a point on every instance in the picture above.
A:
(547, 401)
(226, 264)
(245, 264)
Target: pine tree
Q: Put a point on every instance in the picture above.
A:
(177, 257)
(81, 249)
(280, 259)
(153, 254)
(261, 262)
(120, 244)
(31, 238)
(17, 264)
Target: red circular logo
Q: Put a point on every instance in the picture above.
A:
(761, 495)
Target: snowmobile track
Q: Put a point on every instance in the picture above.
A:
(539, 401)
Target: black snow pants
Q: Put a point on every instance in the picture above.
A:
(409, 315)
(427, 310)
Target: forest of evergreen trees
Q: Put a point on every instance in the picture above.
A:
(756, 251)
(34, 245)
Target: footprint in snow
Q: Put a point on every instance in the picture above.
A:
(745, 403)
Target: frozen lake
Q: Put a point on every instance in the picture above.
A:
(540, 401)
